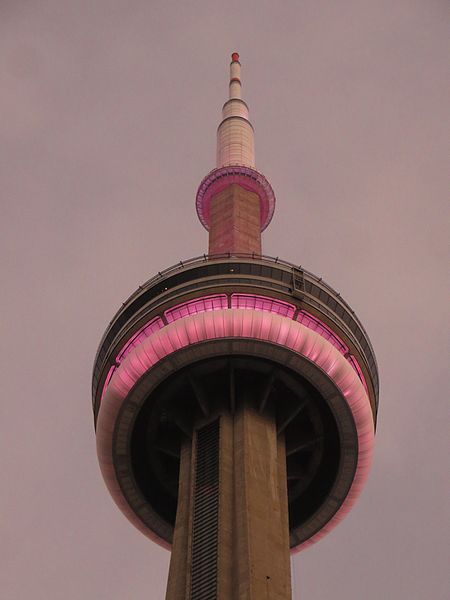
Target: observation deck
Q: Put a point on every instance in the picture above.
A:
(200, 377)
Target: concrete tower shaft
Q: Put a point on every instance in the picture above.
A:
(232, 530)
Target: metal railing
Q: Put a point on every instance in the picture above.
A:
(205, 258)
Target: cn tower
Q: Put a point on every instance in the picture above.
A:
(235, 395)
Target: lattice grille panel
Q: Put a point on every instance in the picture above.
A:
(206, 514)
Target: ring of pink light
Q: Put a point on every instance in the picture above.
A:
(236, 323)
(250, 179)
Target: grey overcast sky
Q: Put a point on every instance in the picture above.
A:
(108, 113)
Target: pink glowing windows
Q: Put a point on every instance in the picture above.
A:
(250, 301)
(315, 324)
(237, 301)
(352, 360)
(193, 307)
(139, 336)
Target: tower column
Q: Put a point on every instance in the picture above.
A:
(236, 542)
(262, 560)
(178, 572)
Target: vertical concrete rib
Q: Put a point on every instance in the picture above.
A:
(262, 531)
(235, 222)
(178, 569)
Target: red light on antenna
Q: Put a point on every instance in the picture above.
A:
(235, 57)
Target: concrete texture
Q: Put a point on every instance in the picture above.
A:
(253, 548)
(235, 223)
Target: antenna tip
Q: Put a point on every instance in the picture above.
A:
(235, 57)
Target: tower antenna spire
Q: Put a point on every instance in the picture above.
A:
(235, 77)
(235, 136)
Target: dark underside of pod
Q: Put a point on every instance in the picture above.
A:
(169, 415)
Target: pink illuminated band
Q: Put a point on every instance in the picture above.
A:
(315, 324)
(323, 330)
(193, 307)
(263, 303)
(245, 301)
(246, 324)
(139, 336)
(354, 363)
(250, 179)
